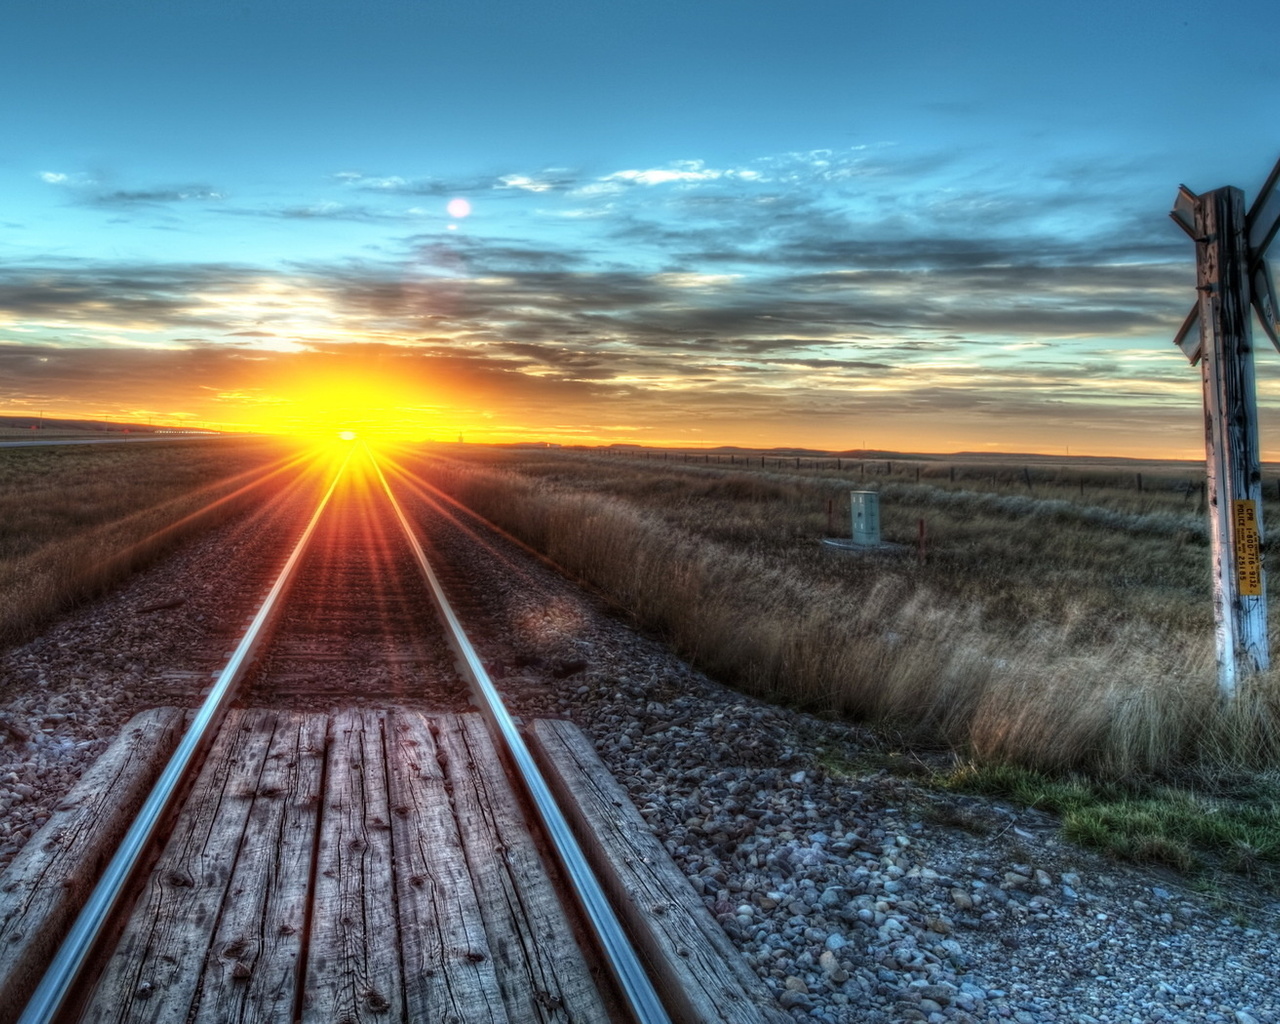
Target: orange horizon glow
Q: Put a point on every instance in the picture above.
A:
(449, 388)
(382, 401)
(319, 426)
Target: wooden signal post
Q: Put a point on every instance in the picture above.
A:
(1231, 276)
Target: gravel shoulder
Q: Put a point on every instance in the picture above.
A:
(862, 896)
(157, 640)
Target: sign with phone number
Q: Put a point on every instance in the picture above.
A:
(1248, 555)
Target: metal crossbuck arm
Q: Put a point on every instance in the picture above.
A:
(1262, 223)
(1263, 217)
(1184, 215)
(1184, 212)
(1265, 303)
(1188, 336)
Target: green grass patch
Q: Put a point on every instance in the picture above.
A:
(1147, 822)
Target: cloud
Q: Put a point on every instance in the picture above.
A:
(691, 280)
(682, 171)
(546, 181)
(329, 210)
(115, 293)
(860, 279)
(917, 291)
(89, 191)
(391, 184)
(874, 207)
(100, 374)
(155, 196)
(492, 256)
(550, 180)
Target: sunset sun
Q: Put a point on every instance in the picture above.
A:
(350, 398)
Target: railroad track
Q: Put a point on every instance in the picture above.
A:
(358, 600)
(388, 858)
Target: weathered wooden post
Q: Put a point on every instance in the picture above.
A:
(1231, 275)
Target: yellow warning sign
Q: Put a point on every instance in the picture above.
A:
(1248, 557)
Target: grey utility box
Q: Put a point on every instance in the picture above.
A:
(865, 507)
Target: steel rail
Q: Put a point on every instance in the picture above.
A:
(56, 984)
(623, 960)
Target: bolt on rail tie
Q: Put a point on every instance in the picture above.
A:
(642, 999)
(57, 981)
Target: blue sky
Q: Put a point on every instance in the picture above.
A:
(921, 225)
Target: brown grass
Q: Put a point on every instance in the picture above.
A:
(1044, 628)
(74, 520)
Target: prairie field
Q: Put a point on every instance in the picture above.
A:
(75, 519)
(1051, 642)
(1059, 616)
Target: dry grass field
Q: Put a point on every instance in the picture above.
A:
(75, 519)
(1053, 644)
(1056, 637)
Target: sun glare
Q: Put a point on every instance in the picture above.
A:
(350, 403)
